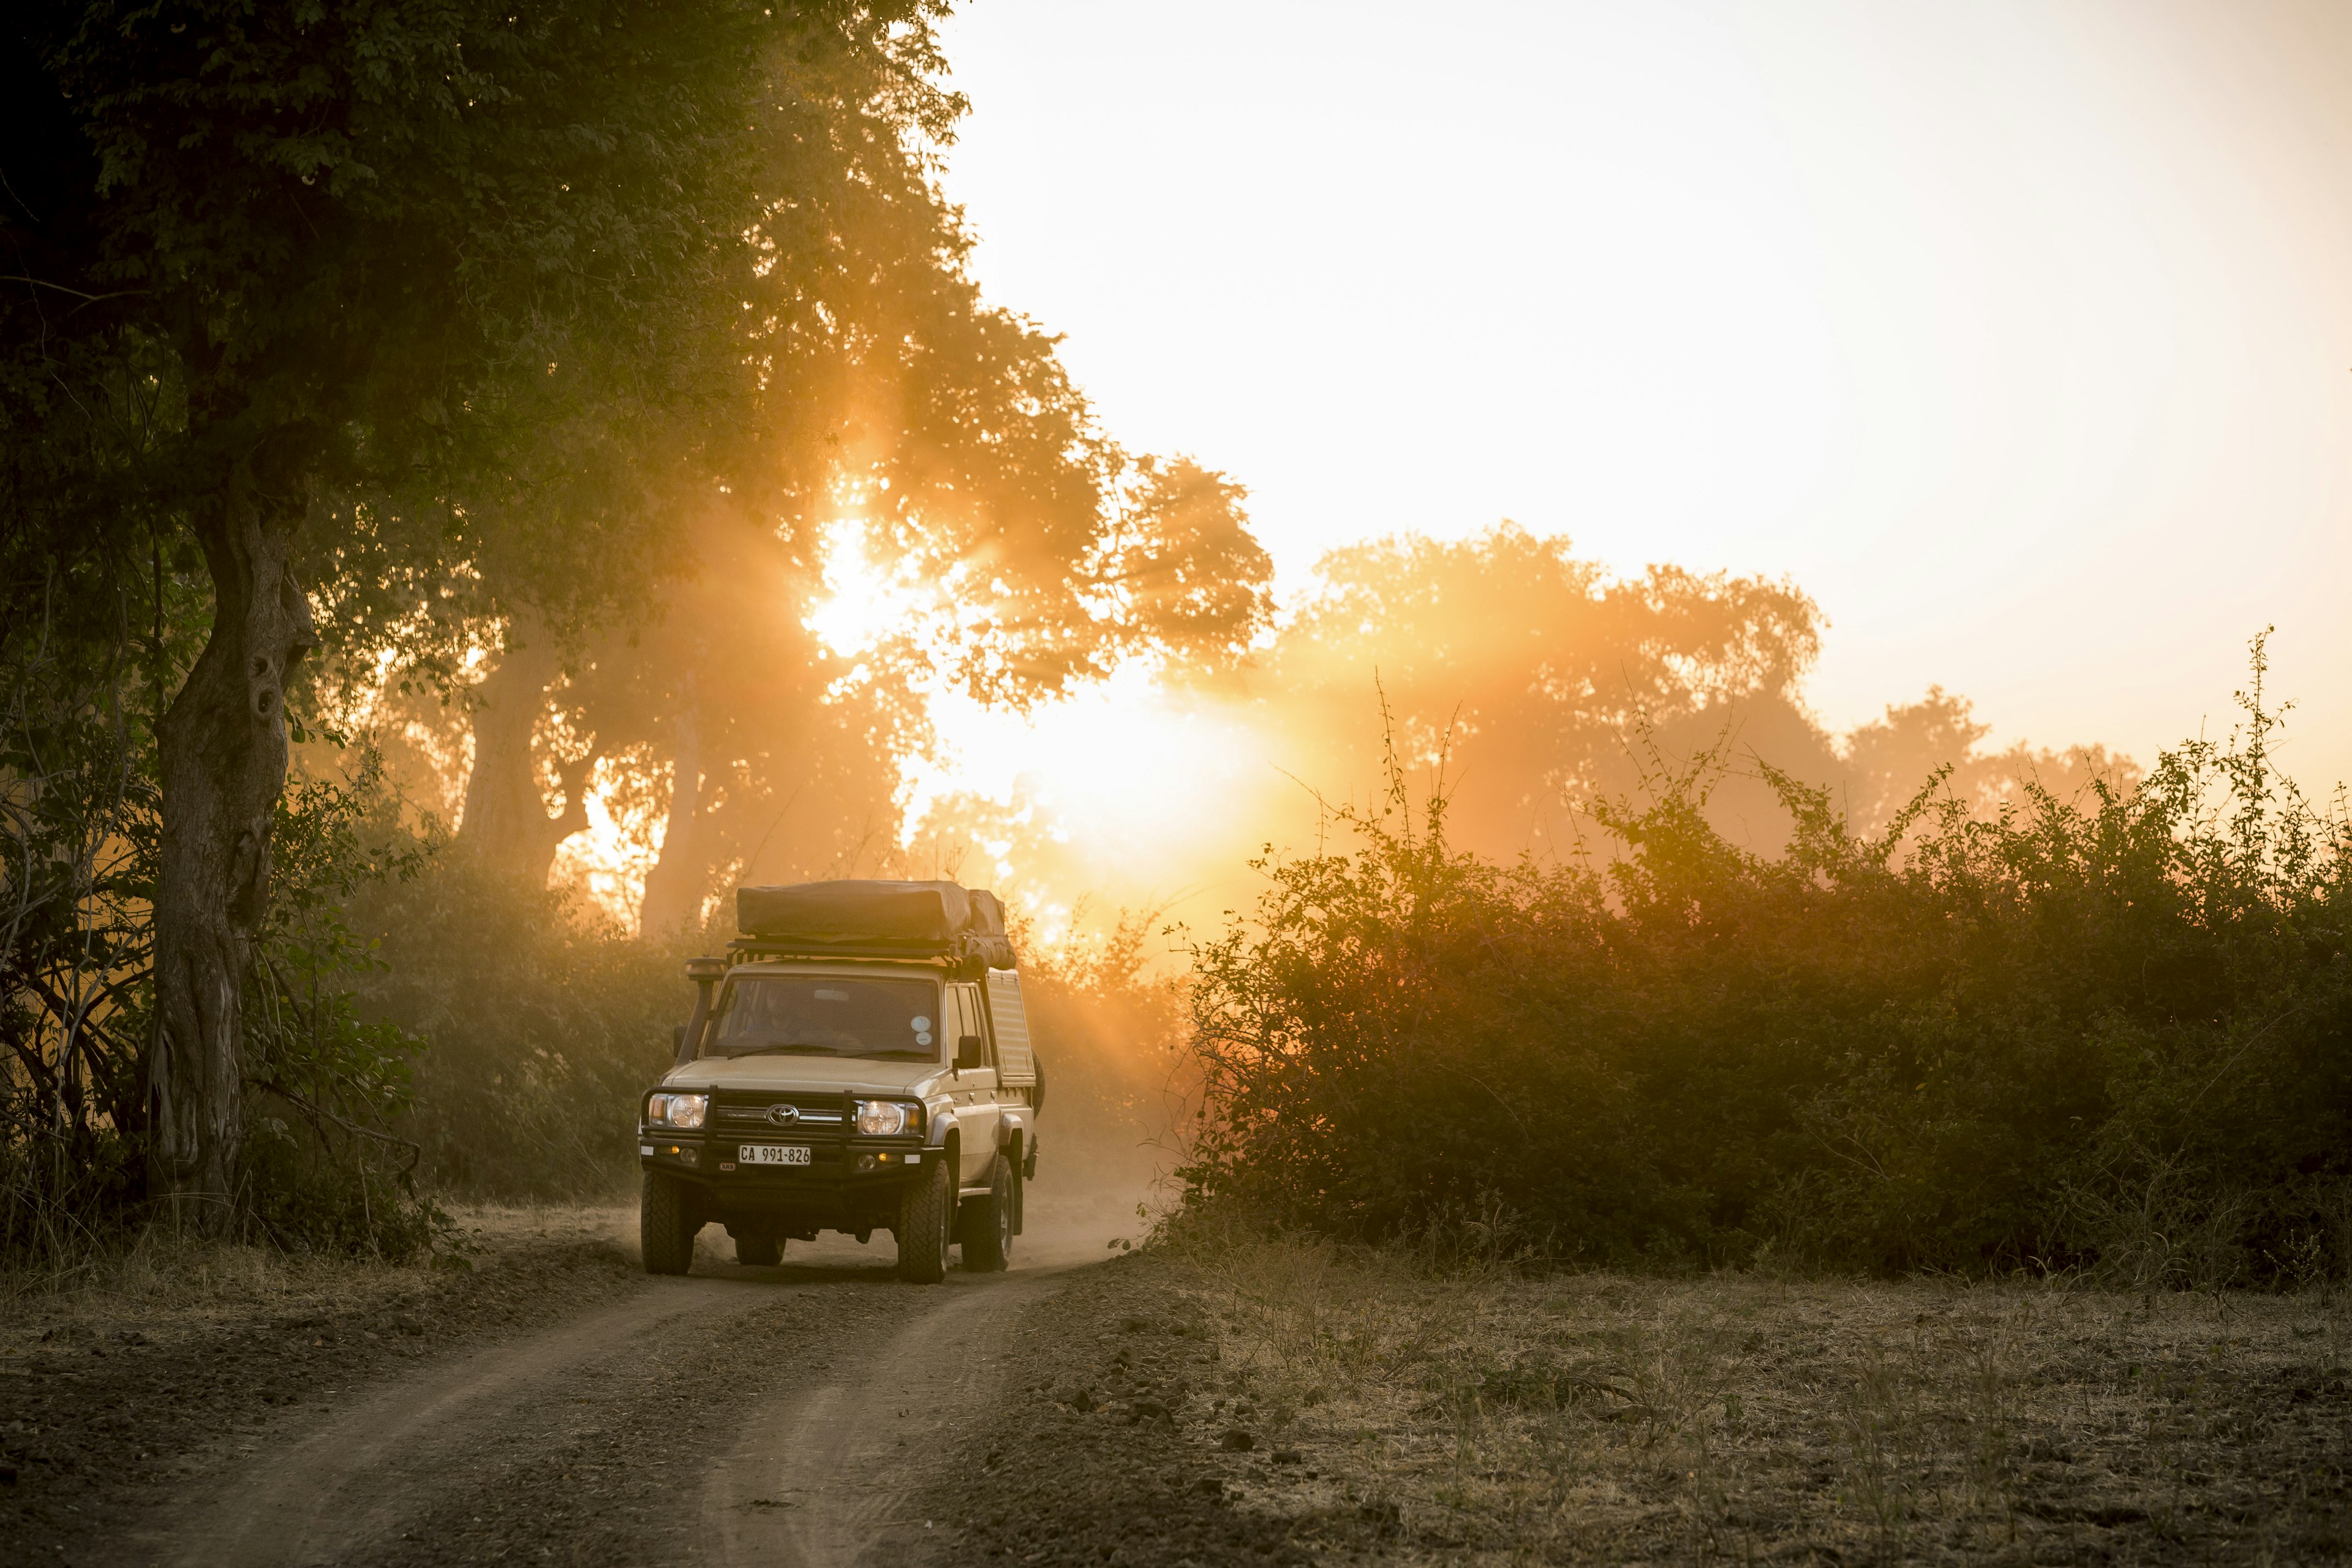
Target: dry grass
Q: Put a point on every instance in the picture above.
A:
(168, 1286)
(1490, 1418)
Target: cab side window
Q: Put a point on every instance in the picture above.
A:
(964, 1000)
(952, 1026)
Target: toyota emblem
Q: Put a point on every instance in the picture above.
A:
(783, 1115)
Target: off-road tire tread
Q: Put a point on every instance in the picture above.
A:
(924, 1211)
(666, 1226)
(987, 1248)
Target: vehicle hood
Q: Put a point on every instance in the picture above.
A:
(808, 1075)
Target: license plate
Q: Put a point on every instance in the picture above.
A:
(773, 1154)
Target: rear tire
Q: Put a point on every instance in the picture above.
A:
(987, 1222)
(760, 1251)
(666, 1223)
(925, 1224)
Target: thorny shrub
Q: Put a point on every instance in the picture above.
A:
(2110, 1033)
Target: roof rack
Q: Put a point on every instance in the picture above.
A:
(784, 947)
(910, 921)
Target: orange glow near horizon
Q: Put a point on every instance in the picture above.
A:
(1122, 782)
(1126, 778)
(2016, 335)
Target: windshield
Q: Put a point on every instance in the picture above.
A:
(827, 1016)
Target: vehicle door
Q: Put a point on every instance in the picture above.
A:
(973, 1088)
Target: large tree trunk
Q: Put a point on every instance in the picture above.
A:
(222, 750)
(506, 820)
(674, 887)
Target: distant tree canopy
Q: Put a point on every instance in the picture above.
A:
(1542, 682)
(1539, 684)
(1531, 670)
(1887, 758)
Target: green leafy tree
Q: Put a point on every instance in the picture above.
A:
(1029, 551)
(391, 303)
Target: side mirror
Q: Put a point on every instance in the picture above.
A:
(971, 1051)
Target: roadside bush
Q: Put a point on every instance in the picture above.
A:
(323, 1171)
(2112, 1032)
(542, 1022)
(323, 1168)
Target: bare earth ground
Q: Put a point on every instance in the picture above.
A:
(549, 1404)
(1352, 1409)
(1249, 1403)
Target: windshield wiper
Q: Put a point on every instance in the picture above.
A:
(799, 1048)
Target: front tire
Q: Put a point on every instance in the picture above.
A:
(666, 1223)
(987, 1222)
(925, 1224)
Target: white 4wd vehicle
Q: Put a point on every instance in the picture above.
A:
(860, 1062)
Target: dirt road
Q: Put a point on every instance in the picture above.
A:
(779, 1416)
(555, 1406)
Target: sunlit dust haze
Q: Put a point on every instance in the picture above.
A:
(1856, 388)
(1128, 789)
(2018, 336)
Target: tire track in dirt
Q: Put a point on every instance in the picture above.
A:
(823, 1474)
(359, 1474)
(746, 1416)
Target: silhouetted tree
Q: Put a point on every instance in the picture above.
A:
(1532, 670)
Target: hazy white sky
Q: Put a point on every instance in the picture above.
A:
(2020, 335)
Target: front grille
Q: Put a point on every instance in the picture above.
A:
(758, 1114)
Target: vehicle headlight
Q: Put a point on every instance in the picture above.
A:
(887, 1118)
(683, 1111)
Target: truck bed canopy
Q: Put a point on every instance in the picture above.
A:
(874, 918)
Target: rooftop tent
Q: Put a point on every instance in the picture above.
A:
(915, 917)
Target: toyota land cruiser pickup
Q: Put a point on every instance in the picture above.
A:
(859, 1061)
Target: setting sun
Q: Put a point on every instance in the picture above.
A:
(1118, 793)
